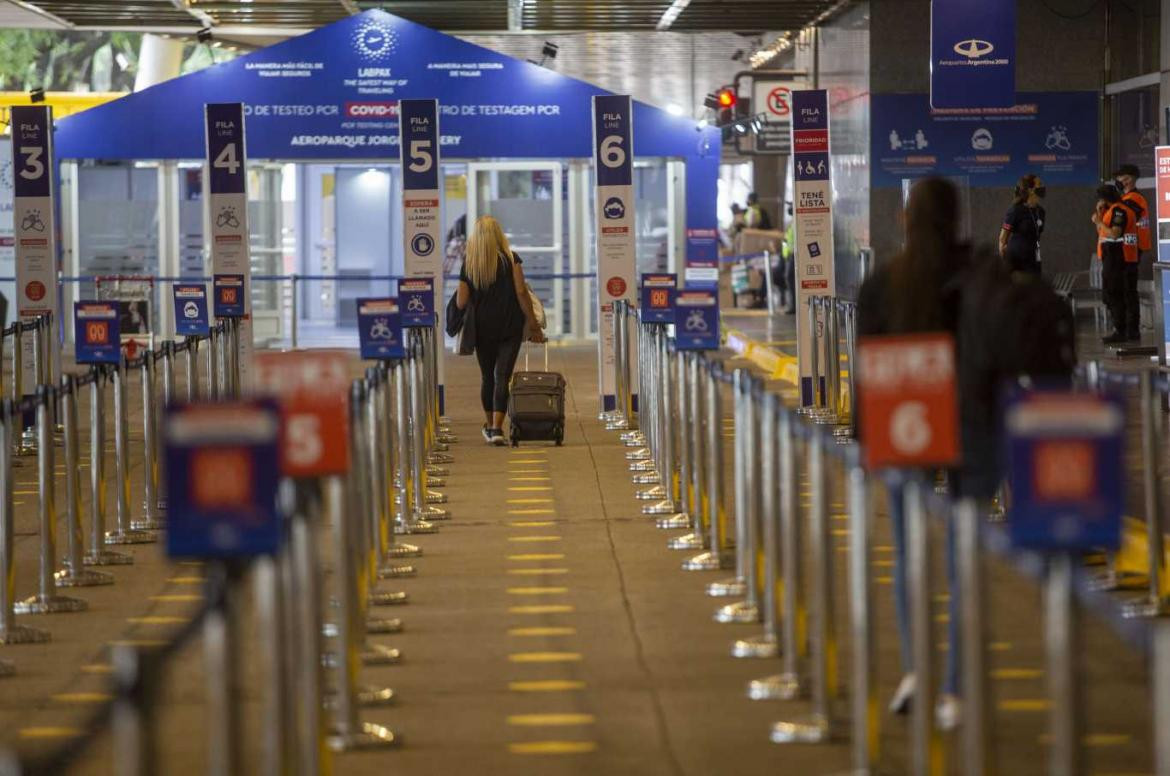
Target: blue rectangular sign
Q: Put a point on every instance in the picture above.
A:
(973, 53)
(190, 300)
(229, 296)
(96, 333)
(696, 320)
(32, 155)
(416, 300)
(225, 147)
(658, 290)
(613, 140)
(1052, 134)
(419, 122)
(1065, 470)
(380, 328)
(222, 470)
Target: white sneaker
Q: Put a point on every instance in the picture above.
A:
(948, 712)
(487, 435)
(497, 437)
(900, 703)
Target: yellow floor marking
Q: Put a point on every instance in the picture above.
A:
(883, 548)
(530, 501)
(530, 479)
(529, 488)
(176, 598)
(539, 556)
(1095, 739)
(545, 657)
(141, 643)
(534, 538)
(840, 532)
(942, 598)
(97, 668)
(544, 720)
(537, 590)
(531, 523)
(1017, 673)
(529, 460)
(35, 733)
(541, 609)
(543, 631)
(82, 697)
(1024, 704)
(942, 618)
(191, 563)
(528, 452)
(24, 492)
(553, 747)
(187, 580)
(884, 580)
(547, 685)
(532, 511)
(1000, 646)
(156, 620)
(840, 517)
(882, 564)
(537, 572)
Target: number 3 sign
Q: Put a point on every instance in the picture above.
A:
(313, 389)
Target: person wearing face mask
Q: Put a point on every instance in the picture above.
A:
(1117, 248)
(1019, 238)
(1126, 179)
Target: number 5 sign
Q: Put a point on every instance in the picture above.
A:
(907, 398)
(313, 389)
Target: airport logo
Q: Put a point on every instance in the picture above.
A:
(973, 48)
(374, 40)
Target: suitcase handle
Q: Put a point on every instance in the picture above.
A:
(527, 348)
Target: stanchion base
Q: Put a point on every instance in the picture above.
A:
(440, 458)
(67, 577)
(762, 646)
(1144, 608)
(727, 588)
(1112, 581)
(417, 527)
(50, 604)
(404, 550)
(646, 465)
(161, 505)
(814, 730)
(435, 497)
(370, 736)
(382, 625)
(152, 524)
(431, 513)
(436, 482)
(738, 612)
(708, 561)
(679, 521)
(130, 537)
(651, 494)
(395, 598)
(438, 471)
(664, 507)
(691, 541)
(7, 668)
(368, 697)
(22, 634)
(778, 687)
(649, 478)
(391, 571)
(446, 439)
(618, 424)
(107, 558)
(641, 454)
(639, 441)
(631, 435)
(378, 655)
(824, 418)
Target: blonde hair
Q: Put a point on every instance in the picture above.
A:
(485, 245)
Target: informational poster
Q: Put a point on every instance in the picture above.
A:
(1065, 470)
(313, 389)
(613, 164)
(813, 214)
(696, 320)
(972, 53)
(772, 102)
(1053, 134)
(190, 309)
(34, 221)
(1162, 235)
(96, 335)
(227, 213)
(416, 299)
(658, 292)
(222, 469)
(380, 329)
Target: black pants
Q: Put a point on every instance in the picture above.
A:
(1119, 287)
(496, 362)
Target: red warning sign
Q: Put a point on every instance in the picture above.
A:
(779, 102)
(35, 291)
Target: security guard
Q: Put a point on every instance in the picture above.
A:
(1117, 247)
(1127, 178)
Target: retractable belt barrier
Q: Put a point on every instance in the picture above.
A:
(314, 627)
(764, 533)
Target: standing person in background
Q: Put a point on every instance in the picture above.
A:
(1117, 248)
(1019, 239)
(736, 226)
(1127, 178)
(756, 217)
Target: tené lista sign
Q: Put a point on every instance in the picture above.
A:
(313, 389)
(906, 388)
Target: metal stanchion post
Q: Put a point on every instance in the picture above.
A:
(10, 632)
(46, 601)
(737, 585)
(768, 288)
(410, 518)
(132, 721)
(276, 759)
(718, 556)
(620, 420)
(423, 496)
(191, 360)
(150, 476)
(1155, 603)
(640, 439)
(699, 502)
(866, 731)
(375, 502)
(747, 523)
(850, 417)
(977, 741)
(1061, 636)
(213, 346)
(925, 746)
(98, 555)
(819, 727)
(294, 310)
(1160, 663)
(311, 751)
(225, 756)
(74, 573)
(688, 509)
(652, 467)
(634, 437)
(26, 443)
(168, 398)
(814, 359)
(384, 483)
(666, 458)
(125, 533)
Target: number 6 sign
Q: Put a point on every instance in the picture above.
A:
(313, 389)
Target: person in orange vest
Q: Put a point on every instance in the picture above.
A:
(1117, 248)
(1127, 177)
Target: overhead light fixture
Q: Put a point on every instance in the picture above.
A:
(766, 54)
(741, 128)
(204, 35)
(36, 96)
(674, 109)
(671, 14)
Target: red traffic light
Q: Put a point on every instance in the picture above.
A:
(726, 98)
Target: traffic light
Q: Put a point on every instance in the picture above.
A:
(726, 98)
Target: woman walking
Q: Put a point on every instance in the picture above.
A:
(1019, 237)
(492, 280)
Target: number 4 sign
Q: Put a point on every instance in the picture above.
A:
(313, 389)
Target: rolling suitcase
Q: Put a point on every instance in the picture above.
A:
(536, 405)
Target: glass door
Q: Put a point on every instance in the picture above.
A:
(527, 199)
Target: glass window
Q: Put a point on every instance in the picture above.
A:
(1136, 128)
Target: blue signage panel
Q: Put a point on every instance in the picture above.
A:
(229, 296)
(222, 469)
(658, 290)
(1052, 134)
(96, 333)
(380, 328)
(32, 159)
(1065, 470)
(225, 147)
(416, 297)
(613, 133)
(190, 300)
(419, 120)
(973, 53)
(696, 320)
